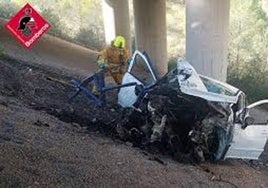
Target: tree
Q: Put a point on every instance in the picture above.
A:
(248, 48)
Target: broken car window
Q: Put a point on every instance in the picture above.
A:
(141, 71)
(215, 87)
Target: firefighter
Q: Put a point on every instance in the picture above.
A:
(114, 58)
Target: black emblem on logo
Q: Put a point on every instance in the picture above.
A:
(27, 23)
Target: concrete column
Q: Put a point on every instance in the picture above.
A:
(264, 5)
(108, 20)
(150, 29)
(122, 19)
(116, 20)
(207, 28)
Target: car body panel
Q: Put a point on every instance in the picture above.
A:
(195, 86)
(127, 96)
(248, 143)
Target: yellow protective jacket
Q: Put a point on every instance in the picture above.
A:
(115, 60)
(114, 57)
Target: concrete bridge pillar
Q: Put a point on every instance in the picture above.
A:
(122, 20)
(150, 31)
(108, 20)
(207, 23)
(117, 20)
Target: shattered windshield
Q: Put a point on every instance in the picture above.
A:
(215, 87)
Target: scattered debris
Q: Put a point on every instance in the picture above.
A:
(63, 82)
(219, 179)
(41, 124)
(157, 159)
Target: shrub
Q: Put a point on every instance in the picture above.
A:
(90, 37)
(54, 20)
(8, 9)
(252, 78)
(172, 63)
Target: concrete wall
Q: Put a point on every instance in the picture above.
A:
(207, 28)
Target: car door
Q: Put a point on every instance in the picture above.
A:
(249, 143)
(140, 72)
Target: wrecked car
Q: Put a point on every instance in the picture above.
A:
(187, 114)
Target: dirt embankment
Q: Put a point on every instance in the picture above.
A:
(47, 141)
(50, 51)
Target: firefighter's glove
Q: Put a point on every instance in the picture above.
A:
(102, 64)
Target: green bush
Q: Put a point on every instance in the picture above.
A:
(8, 9)
(172, 63)
(252, 78)
(56, 26)
(90, 37)
(248, 53)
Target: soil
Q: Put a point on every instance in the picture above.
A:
(48, 141)
(50, 50)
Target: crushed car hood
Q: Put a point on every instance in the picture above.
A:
(207, 88)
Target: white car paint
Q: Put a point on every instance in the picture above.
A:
(126, 95)
(248, 143)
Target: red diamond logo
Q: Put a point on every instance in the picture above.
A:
(27, 26)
